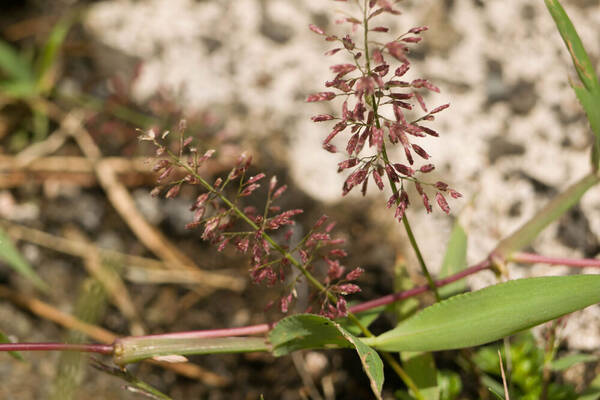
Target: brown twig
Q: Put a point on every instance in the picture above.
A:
(39, 149)
(73, 170)
(504, 383)
(28, 27)
(307, 380)
(138, 269)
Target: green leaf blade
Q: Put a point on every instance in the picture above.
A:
(581, 60)
(422, 370)
(489, 314)
(455, 260)
(589, 93)
(559, 205)
(11, 256)
(309, 331)
(12, 64)
(565, 362)
(49, 54)
(15, 354)
(591, 105)
(366, 318)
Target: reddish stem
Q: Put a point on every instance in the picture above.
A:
(529, 258)
(263, 328)
(418, 290)
(214, 333)
(241, 331)
(88, 348)
(526, 258)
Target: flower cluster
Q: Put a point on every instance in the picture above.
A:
(221, 214)
(370, 87)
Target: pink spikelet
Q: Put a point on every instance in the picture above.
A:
(372, 83)
(442, 202)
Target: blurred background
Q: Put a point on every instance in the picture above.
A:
(78, 78)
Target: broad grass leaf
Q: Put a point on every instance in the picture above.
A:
(490, 314)
(309, 331)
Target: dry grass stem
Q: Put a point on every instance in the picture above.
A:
(137, 268)
(73, 170)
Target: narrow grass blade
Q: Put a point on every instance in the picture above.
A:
(135, 385)
(421, 368)
(14, 354)
(455, 260)
(590, 101)
(581, 60)
(402, 282)
(12, 64)
(11, 256)
(47, 59)
(548, 214)
(589, 93)
(565, 362)
(89, 308)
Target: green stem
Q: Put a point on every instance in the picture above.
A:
(388, 358)
(411, 236)
(132, 349)
(548, 357)
(402, 374)
(415, 246)
(406, 224)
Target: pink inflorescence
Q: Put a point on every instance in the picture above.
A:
(368, 85)
(219, 211)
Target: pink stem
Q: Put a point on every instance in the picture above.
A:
(418, 290)
(88, 348)
(526, 258)
(213, 333)
(241, 331)
(529, 258)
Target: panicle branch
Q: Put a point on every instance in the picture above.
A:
(226, 220)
